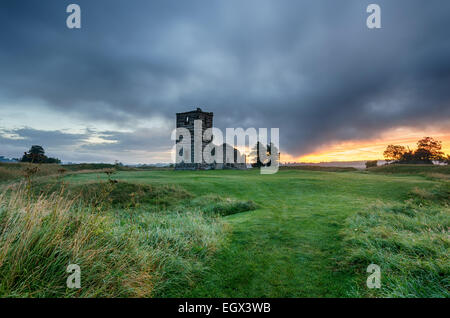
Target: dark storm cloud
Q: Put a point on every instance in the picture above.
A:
(311, 68)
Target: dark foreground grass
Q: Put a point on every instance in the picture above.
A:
(295, 242)
(130, 240)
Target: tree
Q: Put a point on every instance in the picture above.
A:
(428, 149)
(52, 160)
(268, 150)
(408, 157)
(36, 154)
(272, 149)
(255, 153)
(394, 153)
(37, 150)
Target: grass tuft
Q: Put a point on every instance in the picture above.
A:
(409, 241)
(40, 238)
(217, 205)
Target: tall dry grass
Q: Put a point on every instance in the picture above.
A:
(19, 171)
(138, 250)
(8, 174)
(40, 237)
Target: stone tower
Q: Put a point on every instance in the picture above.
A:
(186, 120)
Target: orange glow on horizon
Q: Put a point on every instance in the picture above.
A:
(370, 149)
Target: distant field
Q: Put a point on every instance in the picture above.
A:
(298, 233)
(411, 169)
(10, 171)
(319, 168)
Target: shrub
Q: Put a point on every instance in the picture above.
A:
(371, 164)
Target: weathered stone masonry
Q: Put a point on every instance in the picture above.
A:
(186, 120)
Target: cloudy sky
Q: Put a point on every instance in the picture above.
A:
(110, 90)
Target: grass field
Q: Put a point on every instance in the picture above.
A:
(298, 233)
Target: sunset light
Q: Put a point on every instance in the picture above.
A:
(370, 149)
(227, 156)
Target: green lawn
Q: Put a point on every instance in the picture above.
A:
(291, 246)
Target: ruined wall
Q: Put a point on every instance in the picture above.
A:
(186, 120)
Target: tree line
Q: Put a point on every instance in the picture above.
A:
(428, 150)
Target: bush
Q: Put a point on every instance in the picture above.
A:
(371, 164)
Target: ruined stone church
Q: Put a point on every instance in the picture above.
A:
(186, 120)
